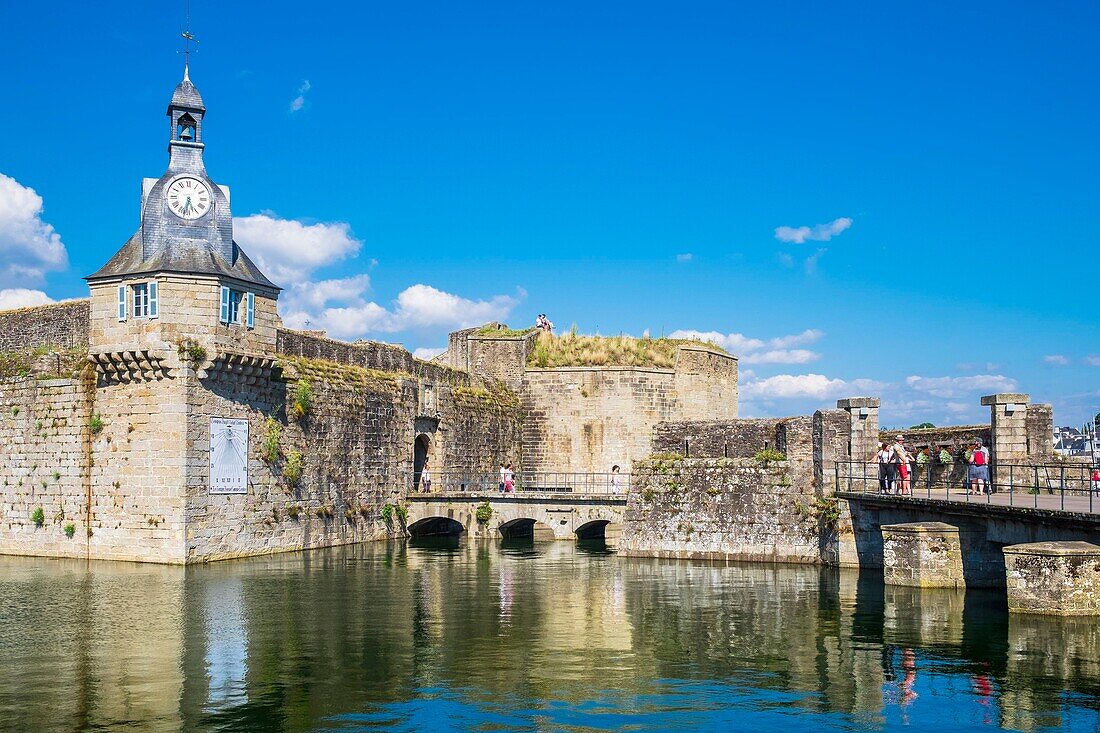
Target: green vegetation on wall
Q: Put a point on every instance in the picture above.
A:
(572, 349)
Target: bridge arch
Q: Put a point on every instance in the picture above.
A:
(435, 527)
(597, 529)
(525, 527)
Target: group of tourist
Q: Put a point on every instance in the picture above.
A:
(543, 323)
(895, 465)
(507, 479)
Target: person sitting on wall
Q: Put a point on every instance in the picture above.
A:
(543, 323)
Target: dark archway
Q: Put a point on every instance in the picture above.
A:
(436, 526)
(518, 528)
(596, 530)
(421, 448)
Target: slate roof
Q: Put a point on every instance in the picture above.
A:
(186, 95)
(181, 255)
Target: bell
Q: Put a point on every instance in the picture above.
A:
(188, 133)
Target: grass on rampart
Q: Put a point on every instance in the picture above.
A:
(25, 363)
(346, 374)
(491, 331)
(572, 349)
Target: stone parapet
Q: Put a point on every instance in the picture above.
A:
(1054, 578)
(922, 554)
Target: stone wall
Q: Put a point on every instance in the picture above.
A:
(503, 358)
(587, 419)
(44, 457)
(742, 438)
(356, 446)
(959, 436)
(189, 308)
(729, 509)
(63, 325)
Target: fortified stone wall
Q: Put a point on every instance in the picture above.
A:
(44, 456)
(356, 449)
(727, 509)
(959, 436)
(63, 325)
(742, 438)
(586, 419)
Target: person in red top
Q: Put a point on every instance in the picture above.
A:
(1094, 479)
(979, 469)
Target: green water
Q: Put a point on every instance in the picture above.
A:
(548, 636)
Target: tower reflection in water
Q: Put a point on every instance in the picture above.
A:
(517, 634)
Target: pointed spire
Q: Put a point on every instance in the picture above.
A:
(186, 77)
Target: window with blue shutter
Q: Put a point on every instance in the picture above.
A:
(251, 321)
(154, 308)
(225, 305)
(122, 302)
(141, 300)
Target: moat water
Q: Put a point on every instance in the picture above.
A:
(442, 635)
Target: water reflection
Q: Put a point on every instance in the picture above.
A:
(441, 633)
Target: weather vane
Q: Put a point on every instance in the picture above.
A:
(188, 39)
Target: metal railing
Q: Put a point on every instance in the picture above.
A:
(526, 482)
(1069, 486)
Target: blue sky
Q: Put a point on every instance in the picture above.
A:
(406, 168)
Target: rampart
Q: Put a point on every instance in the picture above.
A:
(587, 418)
(723, 508)
(59, 325)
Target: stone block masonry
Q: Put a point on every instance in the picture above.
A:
(723, 509)
(922, 554)
(1054, 578)
(59, 325)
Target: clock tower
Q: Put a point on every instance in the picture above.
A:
(181, 284)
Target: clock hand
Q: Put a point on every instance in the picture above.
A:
(187, 206)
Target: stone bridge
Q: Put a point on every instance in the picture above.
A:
(542, 515)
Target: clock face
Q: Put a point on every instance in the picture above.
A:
(188, 198)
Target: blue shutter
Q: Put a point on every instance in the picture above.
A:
(122, 302)
(153, 299)
(251, 310)
(225, 304)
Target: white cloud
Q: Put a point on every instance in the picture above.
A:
(784, 259)
(288, 250)
(21, 298)
(29, 247)
(810, 265)
(686, 257)
(961, 386)
(427, 353)
(300, 101)
(758, 351)
(1056, 360)
(819, 233)
(818, 386)
(1093, 359)
(341, 308)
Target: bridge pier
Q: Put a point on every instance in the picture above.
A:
(1054, 578)
(923, 555)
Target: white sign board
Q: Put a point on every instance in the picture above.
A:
(228, 456)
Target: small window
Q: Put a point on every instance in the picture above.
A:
(238, 307)
(122, 302)
(141, 300)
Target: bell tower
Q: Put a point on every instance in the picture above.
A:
(185, 112)
(181, 279)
